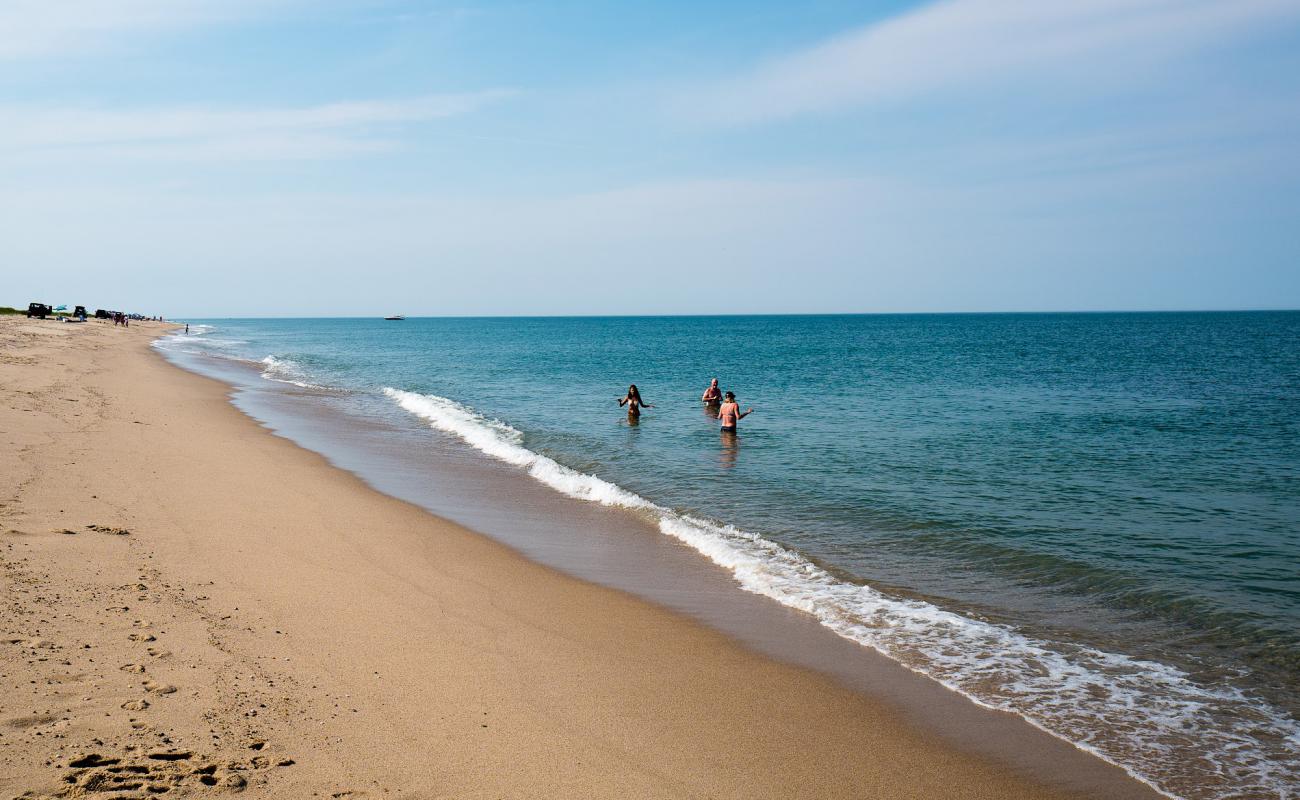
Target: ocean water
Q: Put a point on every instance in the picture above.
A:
(1090, 520)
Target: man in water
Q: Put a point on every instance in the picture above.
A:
(712, 395)
(729, 413)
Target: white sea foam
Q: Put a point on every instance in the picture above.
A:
(1147, 718)
(285, 370)
(503, 442)
(199, 340)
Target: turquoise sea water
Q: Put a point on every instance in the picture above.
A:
(1092, 520)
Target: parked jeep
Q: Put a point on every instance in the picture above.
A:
(38, 310)
(79, 311)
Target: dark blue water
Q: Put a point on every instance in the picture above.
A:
(1090, 519)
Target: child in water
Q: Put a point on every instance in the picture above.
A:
(729, 412)
(633, 402)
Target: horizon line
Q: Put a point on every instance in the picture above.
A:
(768, 314)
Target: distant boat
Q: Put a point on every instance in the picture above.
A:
(395, 317)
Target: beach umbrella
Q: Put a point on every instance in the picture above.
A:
(60, 308)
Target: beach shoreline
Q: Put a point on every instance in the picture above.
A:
(265, 607)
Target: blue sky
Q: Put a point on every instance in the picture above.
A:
(285, 157)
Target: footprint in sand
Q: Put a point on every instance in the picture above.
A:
(158, 688)
(109, 529)
(132, 667)
(135, 705)
(92, 760)
(142, 637)
(157, 773)
(22, 723)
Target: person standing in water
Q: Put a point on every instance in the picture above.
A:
(712, 395)
(633, 402)
(729, 412)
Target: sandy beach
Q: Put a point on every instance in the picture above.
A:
(193, 605)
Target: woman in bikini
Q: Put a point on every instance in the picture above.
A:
(633, 402)
(729, 412)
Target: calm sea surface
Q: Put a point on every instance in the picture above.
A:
(1092, 520)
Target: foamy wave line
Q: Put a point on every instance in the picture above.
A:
(285, 370)
(1140, 715)
(198, 337)
(273, 368)
(503, 442)
(179, 341)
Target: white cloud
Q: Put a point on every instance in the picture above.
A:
(961, 44)
(205, 133)
(40, 28)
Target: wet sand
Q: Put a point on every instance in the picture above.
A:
(196, 605)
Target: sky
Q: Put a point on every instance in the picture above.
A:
(199, 158)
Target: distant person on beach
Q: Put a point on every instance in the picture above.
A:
(187, 327)
(633, 402)
(712, 395)
(729, 412)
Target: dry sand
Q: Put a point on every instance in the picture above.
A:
(194, 606)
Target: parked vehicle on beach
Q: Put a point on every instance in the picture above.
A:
(79, 311)
(101, 313)
(38, 310)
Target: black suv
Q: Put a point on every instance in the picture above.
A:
(38, 310)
